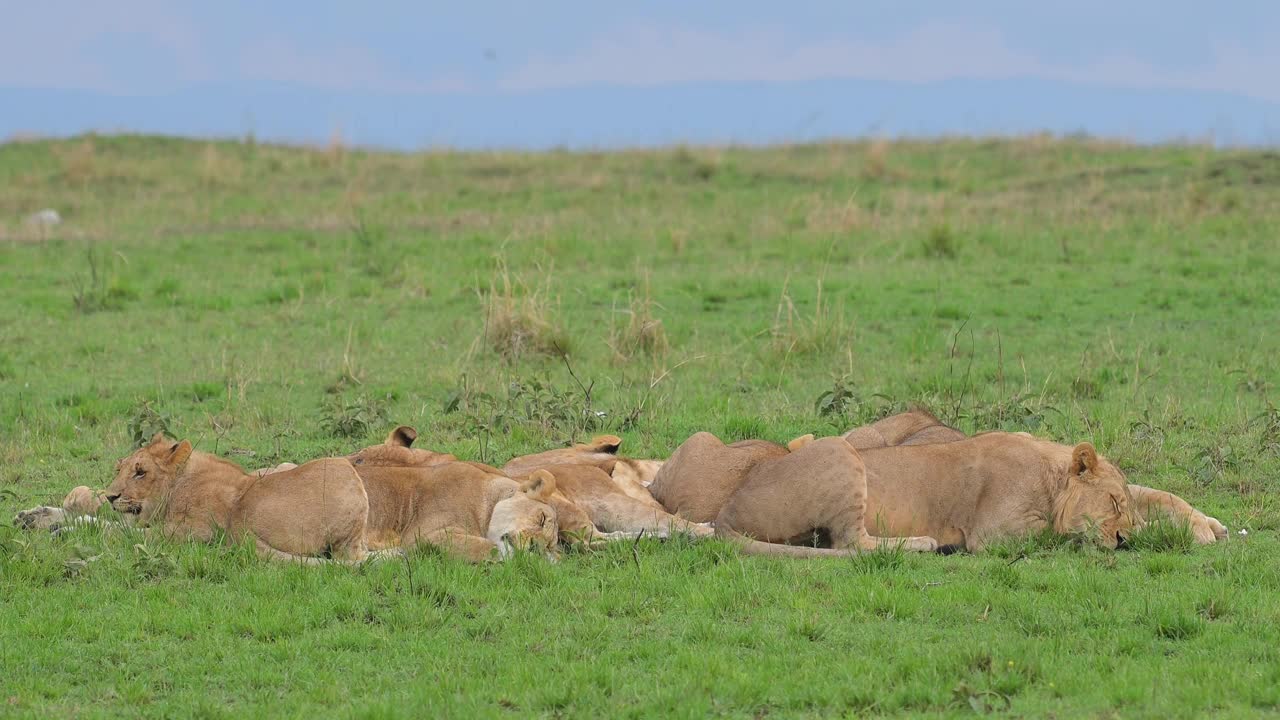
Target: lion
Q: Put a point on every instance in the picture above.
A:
(398, 451)
(309, 513)
(968, 492)
(771, 498)
(914, 427)
(468, 510)
(597, 495)
(919, 426)
(471, 510)
(632, 476)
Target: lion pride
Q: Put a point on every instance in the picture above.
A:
(596, 495)
(957, 494)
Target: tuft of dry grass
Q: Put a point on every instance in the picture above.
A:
(219, 170)
(519, 318)
(876, 166)
(79, 161)
(643, 333)
(824, 331)
(336, 150)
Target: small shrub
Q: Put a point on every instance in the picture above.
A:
(1214, 607)
(643, 333)
(521, 322)
(144, 422)
(1268, 423)
(354, 417)
(877, 165)
(695, 166)
(941, 243)
(79, 161)
(150, 563)
(103, 289)
(1212, 461)
(838, 401)
(824, 332)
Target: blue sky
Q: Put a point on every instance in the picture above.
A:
(484, 49)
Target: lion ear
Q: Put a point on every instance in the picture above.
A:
(179, 452)
(1084, 459)
(606, 443)
(539, 486)
(800, 442)
(402, 436)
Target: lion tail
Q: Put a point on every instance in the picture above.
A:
(747, 546)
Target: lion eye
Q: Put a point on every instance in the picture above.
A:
(139, 472)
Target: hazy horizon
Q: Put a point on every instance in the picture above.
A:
(405, 75)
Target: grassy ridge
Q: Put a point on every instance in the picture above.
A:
(280, 303)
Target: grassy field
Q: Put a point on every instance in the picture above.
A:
(277, 304)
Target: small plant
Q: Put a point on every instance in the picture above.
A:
(150, 563)
(1212, 461)
(694, 165)
(1021, 411)
(144, 422)
(941, 243)
(838, 401)
(518, 323)
(825, 331)
(982, 702)
(877, 165)
(1268, 422)
(348, 418)
(102, 289)
(643, 333)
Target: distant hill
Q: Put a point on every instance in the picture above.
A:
(606, 117)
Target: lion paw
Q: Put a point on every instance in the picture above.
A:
(40, 518)
(1208, 530)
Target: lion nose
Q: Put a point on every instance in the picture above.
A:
(1122, 542)
(113, 498)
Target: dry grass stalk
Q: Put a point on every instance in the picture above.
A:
(519, 319)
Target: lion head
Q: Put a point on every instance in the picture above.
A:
(1096, 499)
(144, 478)
(398, 451)
(525, 519)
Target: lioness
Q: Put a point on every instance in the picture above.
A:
(398, 451)
(919, 426)
(970, 491)
(461, 507)
(914, 427)
(610, 490)
(767, 497)
(631, 475)
(590, 502)
(469, 509)
(304, 513)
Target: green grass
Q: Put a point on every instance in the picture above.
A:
(279, 303)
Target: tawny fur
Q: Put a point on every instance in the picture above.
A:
(921, 427)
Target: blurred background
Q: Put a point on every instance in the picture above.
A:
(412, 75)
